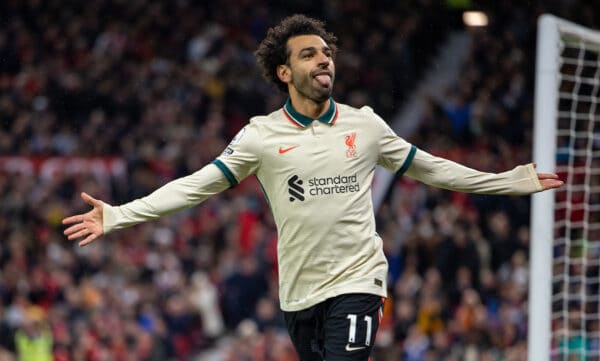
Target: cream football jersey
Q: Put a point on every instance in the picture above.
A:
(316, 175)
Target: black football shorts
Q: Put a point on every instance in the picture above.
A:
(341, 328)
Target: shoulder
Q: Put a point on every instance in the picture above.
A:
(249, 134)
(364, 116)
(364, 113)
(266, 120)
(262, 126)
(348, 109)
(258, 122)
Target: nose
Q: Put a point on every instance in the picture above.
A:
(323, 59)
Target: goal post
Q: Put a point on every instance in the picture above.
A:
(542, 204)
(564, 307)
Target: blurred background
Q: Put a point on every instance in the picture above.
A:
(116, 98)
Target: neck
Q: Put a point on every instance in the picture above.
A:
(306, 106)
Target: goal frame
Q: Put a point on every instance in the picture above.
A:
(547, 81)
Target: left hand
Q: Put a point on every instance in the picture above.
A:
(549, 180)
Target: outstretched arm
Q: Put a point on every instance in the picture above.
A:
(176, 195)
(443, 173)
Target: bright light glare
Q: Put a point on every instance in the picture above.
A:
(475, 18)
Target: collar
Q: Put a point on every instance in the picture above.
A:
(302, 121)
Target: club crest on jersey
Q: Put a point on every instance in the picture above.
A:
(350, 143)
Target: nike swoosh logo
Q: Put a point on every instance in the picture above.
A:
(349, 348)
(285, 150)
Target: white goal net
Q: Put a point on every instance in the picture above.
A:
(564, 294)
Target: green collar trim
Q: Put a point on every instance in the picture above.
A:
(329, 117)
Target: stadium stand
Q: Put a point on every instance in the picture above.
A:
(118, 97)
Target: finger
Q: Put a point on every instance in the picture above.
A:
(89, 239)
(73, 219)
(82, 233)
(74, 228)
(552, 183)
(90, 200)
(547, 176)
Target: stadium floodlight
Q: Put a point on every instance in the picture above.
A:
(564, 289)
(475, 18)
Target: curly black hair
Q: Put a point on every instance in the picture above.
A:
(273, 50)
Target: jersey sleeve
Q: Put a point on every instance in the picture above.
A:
(242, 157)
(395, 153)
(444, 173)
(178, 194)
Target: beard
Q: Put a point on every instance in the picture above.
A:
(307, 86)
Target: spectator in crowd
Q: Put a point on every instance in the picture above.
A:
(33, 340)
(178, 79)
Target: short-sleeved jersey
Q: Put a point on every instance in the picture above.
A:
(316, 175)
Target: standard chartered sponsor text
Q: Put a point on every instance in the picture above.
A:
(333, 185)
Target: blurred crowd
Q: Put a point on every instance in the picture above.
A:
(116, 98)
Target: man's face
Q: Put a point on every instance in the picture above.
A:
(311, 65)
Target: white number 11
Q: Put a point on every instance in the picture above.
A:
(352, 333)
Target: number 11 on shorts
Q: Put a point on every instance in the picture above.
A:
(352, 333)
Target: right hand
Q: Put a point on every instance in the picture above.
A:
(88, 225)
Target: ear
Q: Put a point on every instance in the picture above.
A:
(284, 73)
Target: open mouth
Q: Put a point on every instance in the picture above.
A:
(323, 78)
